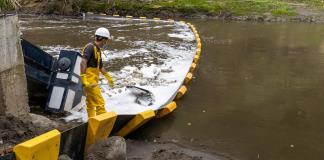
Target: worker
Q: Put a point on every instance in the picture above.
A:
(91, 66)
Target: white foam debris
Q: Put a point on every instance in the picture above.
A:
(162, 79)
(186, 36)
(119, 39)
(150, 71)
(162, 26)
(55, 50)
(120, 25)
(182, 33)
(112, 54)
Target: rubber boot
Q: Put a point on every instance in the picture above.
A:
(91, 113)
(101, 110)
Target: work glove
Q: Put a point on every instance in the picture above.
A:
(109, 79)
(84, 80)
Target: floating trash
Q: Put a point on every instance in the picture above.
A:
(143, 96)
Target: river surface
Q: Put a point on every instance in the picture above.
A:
(258, 91)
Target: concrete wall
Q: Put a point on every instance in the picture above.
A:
(13, 85)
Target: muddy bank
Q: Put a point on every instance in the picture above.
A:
(14, 130)
(144, 150)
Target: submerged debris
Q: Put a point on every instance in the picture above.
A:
(143, 96)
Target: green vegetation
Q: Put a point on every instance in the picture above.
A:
(247, 7)
(6, 5)
(184, 7)
(214, 7)
(237, 7)
(312, 3)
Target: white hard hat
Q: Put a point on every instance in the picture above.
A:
(103, 32)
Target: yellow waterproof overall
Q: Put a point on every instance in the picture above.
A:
(94, 100)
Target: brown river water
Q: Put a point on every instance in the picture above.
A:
(258, 91)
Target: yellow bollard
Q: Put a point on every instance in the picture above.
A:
(99, 127)
(196, 35)
(181, 92)
(196, 58)
(45, 146)
(198, 45)
(167, 110)
(198, 52)
(198, 40)
(188, 78)
(193, 67)
(136, 122)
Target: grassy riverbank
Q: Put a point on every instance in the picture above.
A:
(209, 7)
(183, 7)
(167, 8)
(313, 3)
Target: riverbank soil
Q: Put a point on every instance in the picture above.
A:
(143, 150)
(112, 148)
(14, 130)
